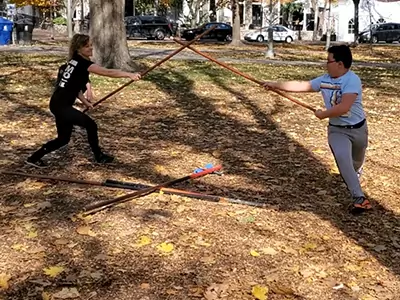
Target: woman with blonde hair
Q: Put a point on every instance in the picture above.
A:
(71, 85)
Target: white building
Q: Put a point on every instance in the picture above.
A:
(381, 11)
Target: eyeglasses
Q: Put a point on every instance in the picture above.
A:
(330, 61)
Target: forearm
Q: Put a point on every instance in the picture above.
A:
(292, 86)
(88, 87)
(116, 73)
(82, 98)
(336, 111)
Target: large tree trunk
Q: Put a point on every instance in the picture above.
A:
(236, 24)
(108, 34)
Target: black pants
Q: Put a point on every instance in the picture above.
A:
(66, 118)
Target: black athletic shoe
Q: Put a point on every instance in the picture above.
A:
(36, 163)
(104, 158)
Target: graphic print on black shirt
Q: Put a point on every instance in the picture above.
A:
(61, 70)
(73, 79)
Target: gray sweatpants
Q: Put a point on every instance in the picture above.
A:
(348, 147)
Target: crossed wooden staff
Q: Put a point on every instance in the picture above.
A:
(150, 189)
(188, 45)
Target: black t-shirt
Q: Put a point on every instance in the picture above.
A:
(72, 78)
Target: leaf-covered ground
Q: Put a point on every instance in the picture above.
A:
(302, 245)
(297, 51)
(287, 52)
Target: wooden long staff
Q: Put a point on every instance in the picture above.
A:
(246, 76)
(92, 208)
(153, 67)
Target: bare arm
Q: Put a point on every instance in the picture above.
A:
(291, 86)
(114, 73)
(342, 108)
(89, 92)
(84, 100)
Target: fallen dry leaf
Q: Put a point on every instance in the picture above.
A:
(32, 234)
(4, 278)
(269, 251)
(45, 296)
(217, 291)
(254, 253)
(67, 293)
(145, 286)
(208, 259)
(61, 242)
(260, 292)
(85, 230)
(18, 247)
(43, 205)
(368, 297)
(143, 241)
(281, 289)
(201, 242)
(53, 271)
(180, 209)
(36, 250)
(165, 247)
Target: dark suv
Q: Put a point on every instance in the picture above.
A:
(223, 32)
(387, 32)
(151, 27)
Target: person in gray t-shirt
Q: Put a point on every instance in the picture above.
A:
(341, 90)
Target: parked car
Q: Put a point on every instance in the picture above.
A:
(151, 27)
(365, 35)
(280, 34)
(387, 32)
(223, 32)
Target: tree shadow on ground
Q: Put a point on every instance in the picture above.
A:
(302, 192)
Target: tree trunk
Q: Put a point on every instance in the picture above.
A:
(270, 51)
(108, 34)
(321, 24)
(82, 17)
(356, 6)
(51, 23)
(328, 27)
(69, 18)
(249, 13)
(370, 25)
(305, 15)
(236, 24)
(316, 12)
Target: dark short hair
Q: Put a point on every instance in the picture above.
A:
(342, 53)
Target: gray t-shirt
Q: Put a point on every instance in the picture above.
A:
(332, 90)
